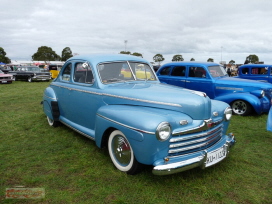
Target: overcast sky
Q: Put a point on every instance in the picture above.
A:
(199, 29)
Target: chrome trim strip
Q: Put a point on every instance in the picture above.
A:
(49, 97)
(143, 131)
(195, 129)
(206, 125)
(82, 133)
(229, 88)
(122, 97)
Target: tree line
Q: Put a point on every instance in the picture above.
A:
(47, 54)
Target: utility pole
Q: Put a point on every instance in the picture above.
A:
(125, 45)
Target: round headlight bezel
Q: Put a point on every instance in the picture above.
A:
(228, 113)
(163, 131)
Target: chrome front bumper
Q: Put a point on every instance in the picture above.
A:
(199, 161)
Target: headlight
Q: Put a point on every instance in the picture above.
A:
(228, 113)
(163, 131)
(258, 93)
(262, 93)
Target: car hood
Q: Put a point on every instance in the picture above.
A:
(237, 82)
(5, 75)
(195, 104)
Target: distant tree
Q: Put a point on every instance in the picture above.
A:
(137, 54)
(158, 58)
(177, 58)
(125, 52)
(192, 59)
(231, 62)
(45, 54)
(3, 57)
(253, 59)
(210, 60)
(66, 54)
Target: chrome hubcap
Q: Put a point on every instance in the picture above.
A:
(121, 150)
(239, 107)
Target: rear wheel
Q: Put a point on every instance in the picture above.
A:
(14, 78)
(240, 107)
(52, 122)
(29, 79)
(122, 154)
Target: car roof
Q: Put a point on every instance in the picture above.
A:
(255, 65)
(192, 63)
(99, 58)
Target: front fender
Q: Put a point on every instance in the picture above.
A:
(138, 124)
(254, 101)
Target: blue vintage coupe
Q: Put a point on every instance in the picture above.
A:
(117, 101)
(259, 72)
(244, 96)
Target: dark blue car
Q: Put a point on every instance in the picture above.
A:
(244, 96)
(259, 72)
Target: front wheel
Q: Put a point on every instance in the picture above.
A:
(241, 107)
(29, 79)
(14, 78)
(122, 154)
(52, 122)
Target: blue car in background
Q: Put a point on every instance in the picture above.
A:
(244, 96)
(118, 101)
(259, 72)
(269, 121)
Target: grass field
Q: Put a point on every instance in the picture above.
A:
(72, 169)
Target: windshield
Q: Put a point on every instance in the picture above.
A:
(217, 71)
(125, 71)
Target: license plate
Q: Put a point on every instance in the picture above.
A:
(4, 81)
(216, 156)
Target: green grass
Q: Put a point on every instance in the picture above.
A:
(72, 169)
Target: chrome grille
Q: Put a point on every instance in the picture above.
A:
(199, 140)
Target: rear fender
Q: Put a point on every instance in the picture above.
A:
(50, 104)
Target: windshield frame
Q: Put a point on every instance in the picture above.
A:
(218, 71)
(127, 70)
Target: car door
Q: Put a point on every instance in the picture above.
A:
(259, 74)
(79, 99)
(177, 76)
(270, 75)
(199, 79)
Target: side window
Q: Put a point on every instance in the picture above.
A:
(256, 71)
(199, 72)
(66, 74)
(83, 73)
(178, 71)
(245, 70)
(165, 71)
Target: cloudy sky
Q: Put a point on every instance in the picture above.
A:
(199, 29)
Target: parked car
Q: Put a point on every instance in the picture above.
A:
(5, 78)
(5, 69)
(140, 120)
(259, 72)
(244, 96)
(54, 69)
(30, 73)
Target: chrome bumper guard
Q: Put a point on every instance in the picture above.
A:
(199, 161)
